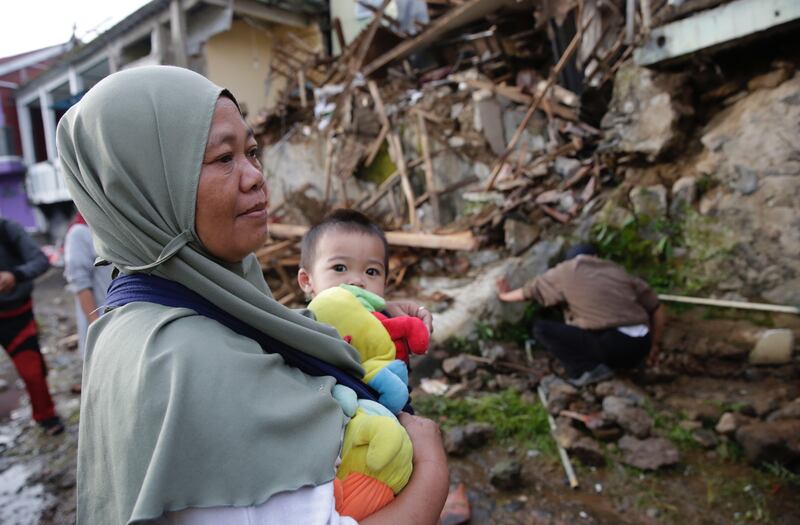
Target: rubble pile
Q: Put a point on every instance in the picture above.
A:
(650, 426)
(459, 136)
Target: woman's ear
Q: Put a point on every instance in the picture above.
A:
(304, 280)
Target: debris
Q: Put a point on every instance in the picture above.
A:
(456, 508)
(573, 480)
(436, 387)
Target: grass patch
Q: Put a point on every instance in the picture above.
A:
(512, 418)
(783, 473)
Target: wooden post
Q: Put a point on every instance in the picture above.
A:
(301, 84)
(430, 182)
(408, 191)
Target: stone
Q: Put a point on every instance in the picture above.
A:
(566, 167)
(459, 440)
(771, 441)
(648, 454)
(747, 180)
(789, 411)
(705, 438)
(588, 452)
(519, 235)
(774, 347)
(533, 138)
(646, 112)
(559, 397)
(649, 201)
(565, 434)
(730, 422)
(459, 366)
(506, 475)
(684, 193)
(494, 350)
(620, 388)
(3, 385)
(689, 425)
(631, 418)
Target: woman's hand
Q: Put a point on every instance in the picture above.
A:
(411, 309)
(422, 500)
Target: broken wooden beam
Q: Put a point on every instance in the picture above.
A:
(463, 241)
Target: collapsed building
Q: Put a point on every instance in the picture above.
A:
(517, 124)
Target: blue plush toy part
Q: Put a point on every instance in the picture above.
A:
(393, 391)
(347, 399)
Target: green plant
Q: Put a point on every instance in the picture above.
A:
(512, 418)
(783, 473)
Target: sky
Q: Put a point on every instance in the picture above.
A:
(26, 25)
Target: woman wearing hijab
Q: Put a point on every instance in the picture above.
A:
(185, 420)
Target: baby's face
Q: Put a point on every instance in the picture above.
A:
(346, 258)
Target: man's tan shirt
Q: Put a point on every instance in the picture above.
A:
(598, 294)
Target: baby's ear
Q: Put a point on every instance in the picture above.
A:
(304, 280)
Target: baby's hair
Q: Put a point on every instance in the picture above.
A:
(343, 220)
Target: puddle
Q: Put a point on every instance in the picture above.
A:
(20, 504)
(9, 400)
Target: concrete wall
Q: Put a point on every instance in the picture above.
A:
(345, 10)
(239, 59)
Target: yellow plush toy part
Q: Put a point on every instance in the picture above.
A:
(341, 309)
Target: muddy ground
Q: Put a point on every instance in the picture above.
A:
(37, 473)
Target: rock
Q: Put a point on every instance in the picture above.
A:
(730, 422)
(588, 452)
(705, 438)
(788, 411)
(684, 193)
(645, 113)
(459, 440)
(506, 475)
(565, 434)
(519, 236)
(566, 167)
(633, 419)
(3, 385)
(769, 441)
(649, 201)
(774, 347)
(559, 396)
(459, 366)
(648, 454)
(690, 425)
(620, 388)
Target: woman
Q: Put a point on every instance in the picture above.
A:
(184, 420)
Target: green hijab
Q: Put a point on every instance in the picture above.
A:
(177, 410)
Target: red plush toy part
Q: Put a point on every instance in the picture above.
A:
(408, 334)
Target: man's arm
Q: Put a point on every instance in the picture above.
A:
(34, 263)
(658, 319)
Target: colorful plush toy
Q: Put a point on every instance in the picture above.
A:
(376, 452)
(376, 457)
(350, 309)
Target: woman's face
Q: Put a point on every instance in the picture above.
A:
(231, 214)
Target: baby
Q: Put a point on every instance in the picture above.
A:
(348, 249)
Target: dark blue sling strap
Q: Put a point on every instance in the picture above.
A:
(149, 288)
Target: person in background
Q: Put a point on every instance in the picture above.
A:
(87, 282)
(613, 320)
(21, 261)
